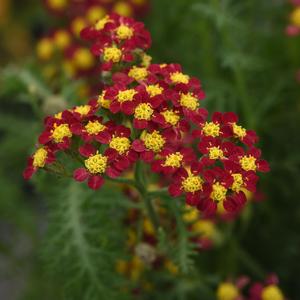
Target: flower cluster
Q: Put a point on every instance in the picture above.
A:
(152, 113)
(63, 46)
(243, 289)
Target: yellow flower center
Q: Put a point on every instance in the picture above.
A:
(173, 160)
(218, 192)
(154, 90)
(58, 115)
(96, 163)
(126, 95)
(62, 39)
(101, 23)
(58, 4)
(192, 184)
(171, 117)
(248, 163)
(143, 111)
(44, 48)
(295, 17)
(122, 8)
(103, 102)
(39, 158)
(94, 127)
(179, 77)
(77, 25)
(95, 13)
(83, 59)
(272, 292)
(60, 132)
(82, 109)
(227, 291)
(154, 141)
(189, 101)
(138, 73)
(205, 228)
(191, 215)
(124, 32)
(146, 60)
(237, 182)
(211, 129)
(215, 153)
(112, 54)
(120, 144)
(238, 131)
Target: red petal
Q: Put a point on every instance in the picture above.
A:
(80, 174)
(95, 182)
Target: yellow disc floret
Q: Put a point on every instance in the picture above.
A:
(205, 228)
(272, 292)
(58, 4)
(238, 182)
(45, 48)
(124, 32)
(101, 23)
(146, 60)
(60, 132)
(39, 158)
(248, 163)
(192, 184)
(126, 95)
(122, 8)
(218, 192)
(96, 163)
(191, 215)
(94, 127)
(171, 116)
(82, 109)
(154, 141)
(227, 291)
(215, 153)
(62, 39)
(154, 90)
(102, 101)
(95, 13)
(77, 25)
(113, 54)
(295, 17)
(143, 111)
(179, 77)
(120, 144)
(211, 129)
(173, 160)
(238, 130)
(83, 59)
(189, 101)
(138, 73)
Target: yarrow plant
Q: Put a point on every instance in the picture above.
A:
(149, 117)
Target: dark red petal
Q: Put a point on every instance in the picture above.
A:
(45, 137)
(95, 182)
(174, 190)
(87, 150)
(138, 146)
(80, 174)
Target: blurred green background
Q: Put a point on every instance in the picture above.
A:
(246, 64)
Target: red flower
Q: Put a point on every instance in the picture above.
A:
(92, 129)
(151, 143)
(96, 165)
(119, 145)
(39, 159)
(173, 160)
(191, 183)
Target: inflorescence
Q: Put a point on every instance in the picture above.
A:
(151, 113)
